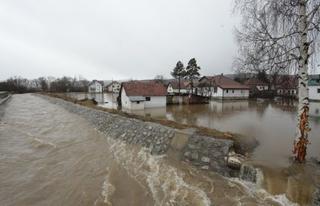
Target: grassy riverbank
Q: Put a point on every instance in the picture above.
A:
(242, 144)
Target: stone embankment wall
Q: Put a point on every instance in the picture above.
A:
(206, 152)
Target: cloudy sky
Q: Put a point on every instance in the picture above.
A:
(114, 39)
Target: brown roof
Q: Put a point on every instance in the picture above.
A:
(224, 82)
(139, 88)
(175, 84)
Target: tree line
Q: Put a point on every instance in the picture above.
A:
(44, 84)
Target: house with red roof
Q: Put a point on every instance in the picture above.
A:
(222, 87)
(139, 95)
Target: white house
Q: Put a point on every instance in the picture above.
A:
(314, 87)
(222, 87)
(173, 87)
(95, 87)
(113, 87)
(138, 95)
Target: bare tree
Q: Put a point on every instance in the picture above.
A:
(282, 36)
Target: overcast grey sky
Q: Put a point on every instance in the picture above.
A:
(114, 39)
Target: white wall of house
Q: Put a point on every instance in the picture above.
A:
(262, 87)
(170, 89)
(114, 87)
(127, 104)
(314, 109)
(314, 93)
(217, 93)
(182, 91)
(95, 87)
(150, 102)
(230, 93)
(290, 92)
(155, 101)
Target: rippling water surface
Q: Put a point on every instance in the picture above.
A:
(49, 156)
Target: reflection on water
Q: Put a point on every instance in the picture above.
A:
(271, 122)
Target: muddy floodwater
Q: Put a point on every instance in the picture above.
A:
(49, 156)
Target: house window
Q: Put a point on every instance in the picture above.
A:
(317, 111)
(215, 89)
(318, 91)
(232, 91)
(227, 91)
(138, 102)
(148, 98)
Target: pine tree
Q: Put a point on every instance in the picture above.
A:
(192, 72)
(179, 73)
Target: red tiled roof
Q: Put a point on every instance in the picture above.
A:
(139, 88)
(175, 84)
(225, 82)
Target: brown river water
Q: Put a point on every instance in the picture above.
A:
(49, 156)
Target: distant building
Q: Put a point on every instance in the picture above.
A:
(256, 85)
(173, 87)
(314, 87)
(222, 87)
(287, 86)
(95, 87)
(138, 95)
(113, 87)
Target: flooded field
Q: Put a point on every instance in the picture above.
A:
(52, 157)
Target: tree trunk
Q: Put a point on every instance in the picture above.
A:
(302, 129)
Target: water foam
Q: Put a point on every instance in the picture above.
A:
(107, 189)
(40, 143)
(165, 183)
(255, 190)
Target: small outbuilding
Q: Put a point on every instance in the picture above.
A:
(139, 95)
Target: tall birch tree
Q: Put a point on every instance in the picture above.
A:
(282, 35)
